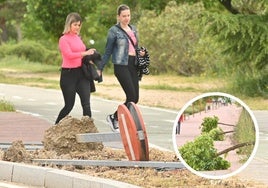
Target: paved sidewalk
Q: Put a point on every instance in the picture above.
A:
(18, 126)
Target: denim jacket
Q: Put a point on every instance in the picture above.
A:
(117, 45)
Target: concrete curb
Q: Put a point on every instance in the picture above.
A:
(53, 178)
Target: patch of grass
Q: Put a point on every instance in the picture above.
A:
(6, 106)
(245, 132)
(168, 87)
(14, 70)
(255, 103)
(21, 65)
(43, 82)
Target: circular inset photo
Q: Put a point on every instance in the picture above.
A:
(215, 135)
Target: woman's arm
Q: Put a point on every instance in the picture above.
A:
(111, 38)
(66, 50)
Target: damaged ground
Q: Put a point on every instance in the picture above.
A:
(60, 143)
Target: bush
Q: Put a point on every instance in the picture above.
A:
(201, 154)
(209, 123)
(216, 134)
(31, 51)
(6, 106)
(171, 42)
(253, 85)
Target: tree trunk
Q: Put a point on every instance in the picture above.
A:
(226, 124)
(235, 147)
(226, 132)
(19, 33)
(3, 30)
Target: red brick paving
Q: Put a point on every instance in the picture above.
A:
(18, 126)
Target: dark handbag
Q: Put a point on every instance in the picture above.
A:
(90, 74)
(89, 69)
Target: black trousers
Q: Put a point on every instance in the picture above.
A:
(129, 80)
(73, 81)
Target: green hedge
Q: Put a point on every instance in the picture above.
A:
(31, 51)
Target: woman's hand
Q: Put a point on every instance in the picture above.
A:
(99, 72)
(88, 52)
(142, 53)
(91, 51)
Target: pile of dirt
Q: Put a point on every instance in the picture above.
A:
(17, 153)
(61, 138)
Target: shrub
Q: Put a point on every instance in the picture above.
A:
(209, 123)
(254, 84)
(173, 46)
(216, 134)
(6, 106)
(201, 154)
(31, 51)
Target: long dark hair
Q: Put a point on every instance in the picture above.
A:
(121, 8)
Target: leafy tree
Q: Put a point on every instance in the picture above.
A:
(172, 41)
(216, 134)
(11, 15)
(209, 123)
(53, 13)
(234, 43)
(49, 17)
(156, 5)
(201, 154)
(243, 33)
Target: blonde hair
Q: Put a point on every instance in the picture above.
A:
(71, 18)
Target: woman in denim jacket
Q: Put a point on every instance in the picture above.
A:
(123, 55)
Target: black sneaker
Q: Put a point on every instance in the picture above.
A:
(113, 123)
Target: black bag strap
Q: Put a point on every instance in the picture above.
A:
(127, 35)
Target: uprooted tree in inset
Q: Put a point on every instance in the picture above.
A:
(201, 155)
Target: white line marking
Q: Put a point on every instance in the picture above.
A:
(16, 97)
(51, 103)
(31, 99)
(29, 113)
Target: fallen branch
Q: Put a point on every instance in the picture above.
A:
(226, 124)
(235, 147)
(226, 132)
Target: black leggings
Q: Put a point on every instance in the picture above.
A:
(129, 80)
(73, 81)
